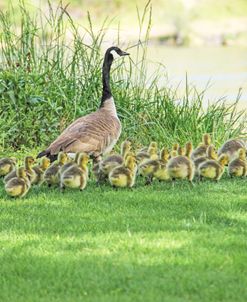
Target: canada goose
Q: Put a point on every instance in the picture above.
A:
(51, 176)
(181, 166)
(76, 176)
(238, 166)
(18, 186)
(231, 148)
(213, 169)
(40, 170)
(124, 175)
(28, 163)
(7, 165)
(201, 149)
(97, 132)
(211, 154)
(115, 160)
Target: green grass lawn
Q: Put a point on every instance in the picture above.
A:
(153, 243)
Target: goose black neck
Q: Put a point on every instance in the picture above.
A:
(106, 94)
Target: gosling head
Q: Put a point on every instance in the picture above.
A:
(212, 152)
(131, 163)
(152, 151)
(83, 160)
(174, 153)
(181, 151)
(242, 154)
(164, 154)
(223, 160)
(188, 149)
(175, 147)
(206, 139)
(29, 161)
(62, 158)
(153, 145)
(21, 173)
(125, 146)
(45, 163)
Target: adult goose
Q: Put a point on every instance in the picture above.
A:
(97, 132)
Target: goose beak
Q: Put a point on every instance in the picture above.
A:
(124, 53)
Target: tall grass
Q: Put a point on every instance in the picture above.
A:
(50, 74)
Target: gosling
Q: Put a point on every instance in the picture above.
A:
(124, 175)
(238, 166)
(77, 175)
(18, 186)
(181, 166)
(213, 169)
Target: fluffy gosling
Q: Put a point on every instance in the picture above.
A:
(181, 166)
(124, 175)
(115, 160)
(238, 166)
(155, 168)
(77, 175)
(211, 154)
(213, 169)
(18, 186)
(51, 176)
(40, 170)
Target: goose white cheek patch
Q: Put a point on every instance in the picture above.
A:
(115, 55)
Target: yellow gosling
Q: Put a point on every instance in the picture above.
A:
(162, 173)
(7, 165)
(211, 154)
(174, 148)
(124, 176)
(115, 160)
(238, 166)
(77, 175)
(201, 149)
(19, 185)
(213, 169)
(155, 168)
(40, 170)
(181, 166)
(51, 176)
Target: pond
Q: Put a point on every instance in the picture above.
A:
(225, 69)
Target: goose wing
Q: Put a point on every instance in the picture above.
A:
(94, 134)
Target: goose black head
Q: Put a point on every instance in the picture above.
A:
(120, 52)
